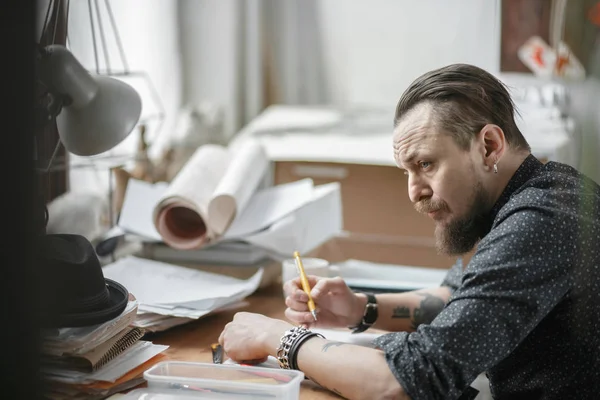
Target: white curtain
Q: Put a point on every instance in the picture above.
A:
(241, 56)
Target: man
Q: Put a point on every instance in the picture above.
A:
(526, 308)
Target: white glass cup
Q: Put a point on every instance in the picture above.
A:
(312, 266)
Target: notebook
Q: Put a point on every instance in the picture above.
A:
(94, 359)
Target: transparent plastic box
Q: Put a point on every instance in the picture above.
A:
(223, 381)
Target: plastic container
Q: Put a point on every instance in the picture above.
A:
(224, 381)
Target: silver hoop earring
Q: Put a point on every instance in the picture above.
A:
(495, 168)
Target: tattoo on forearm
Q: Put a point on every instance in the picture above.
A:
(401, 312)
(429, 308)
(327, 345)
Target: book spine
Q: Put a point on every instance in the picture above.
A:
(120, 346)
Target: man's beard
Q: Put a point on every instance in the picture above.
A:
(459, 236)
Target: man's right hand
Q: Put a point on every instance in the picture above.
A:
(337, 305)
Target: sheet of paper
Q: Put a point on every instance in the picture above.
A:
(157, 322)
(138, 208)
(154, 282)
(246, 170)
(387, 276)
(307, 227)
(185, 312)
(270, 205)
(321, 219)
(346, 336)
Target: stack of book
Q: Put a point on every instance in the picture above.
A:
(96, 361)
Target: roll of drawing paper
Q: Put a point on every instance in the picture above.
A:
(180, 216)
(181, 227)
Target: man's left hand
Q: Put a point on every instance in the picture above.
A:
(251, 338)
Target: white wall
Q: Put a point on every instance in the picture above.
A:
(209, 41)
(371, 50)
(374, 49)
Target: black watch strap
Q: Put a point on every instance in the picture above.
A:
(369, 316)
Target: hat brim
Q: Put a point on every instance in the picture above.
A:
(118, 296)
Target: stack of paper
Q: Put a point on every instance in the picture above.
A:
(95, 361)
(170, 295)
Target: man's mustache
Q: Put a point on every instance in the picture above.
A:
(428, 205)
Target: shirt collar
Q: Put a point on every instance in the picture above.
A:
(526, 170)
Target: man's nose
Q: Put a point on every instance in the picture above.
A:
(418, 188)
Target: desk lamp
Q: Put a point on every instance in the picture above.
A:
(93, 113)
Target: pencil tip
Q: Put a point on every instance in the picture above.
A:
(314, 314)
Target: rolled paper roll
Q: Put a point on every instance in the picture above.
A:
(181, 227)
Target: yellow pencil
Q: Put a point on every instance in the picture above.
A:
(305, 285)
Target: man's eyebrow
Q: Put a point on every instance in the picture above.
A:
(410, 157)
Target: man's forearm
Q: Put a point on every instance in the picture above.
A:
(351, 371)
(406, 311)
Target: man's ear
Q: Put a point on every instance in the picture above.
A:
(494, 144)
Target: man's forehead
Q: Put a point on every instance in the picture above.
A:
(413, 132)
(420, 119)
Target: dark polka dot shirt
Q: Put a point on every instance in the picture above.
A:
(526, 309)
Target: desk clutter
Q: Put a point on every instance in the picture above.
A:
(223, 195)
(90, 347)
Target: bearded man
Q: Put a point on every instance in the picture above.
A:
(525, 310)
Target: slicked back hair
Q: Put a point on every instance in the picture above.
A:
(464, 98)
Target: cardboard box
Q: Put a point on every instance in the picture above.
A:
(374, 197)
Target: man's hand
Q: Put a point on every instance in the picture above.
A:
(251, 338)
(337, 305)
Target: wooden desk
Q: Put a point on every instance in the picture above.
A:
(191, 342)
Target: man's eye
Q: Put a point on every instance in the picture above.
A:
(424, 164)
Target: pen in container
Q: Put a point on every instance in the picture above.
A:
(305, 285)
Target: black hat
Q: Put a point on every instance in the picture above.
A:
(74, 290)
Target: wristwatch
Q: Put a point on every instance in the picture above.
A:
(369, 316)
